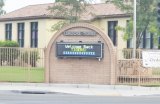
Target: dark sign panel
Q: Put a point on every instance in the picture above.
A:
(93, 50)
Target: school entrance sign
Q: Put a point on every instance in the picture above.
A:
(80, 53)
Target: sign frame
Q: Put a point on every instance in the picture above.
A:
(100, 45)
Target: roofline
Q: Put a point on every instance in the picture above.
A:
(29, 18)
(53, 17)
(112, 16)
(109, 16)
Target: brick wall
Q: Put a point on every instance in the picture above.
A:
(81, 70)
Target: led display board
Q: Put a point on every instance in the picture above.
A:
(88, 50)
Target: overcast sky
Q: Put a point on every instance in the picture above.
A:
(11, 5)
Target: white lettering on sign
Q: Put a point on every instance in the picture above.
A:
(151, 58)
(79, 33)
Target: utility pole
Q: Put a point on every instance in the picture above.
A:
(134, 31)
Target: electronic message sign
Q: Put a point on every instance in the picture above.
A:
(90, 50)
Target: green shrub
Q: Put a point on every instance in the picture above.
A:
(159, 47)
(7, 54)
(1, 43)
(8, 44)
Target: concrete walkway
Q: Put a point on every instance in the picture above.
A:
(81, 89)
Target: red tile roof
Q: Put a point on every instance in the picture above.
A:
(41, 11)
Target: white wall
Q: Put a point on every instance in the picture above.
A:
(103, 25)
(45, 33)
(2, 29)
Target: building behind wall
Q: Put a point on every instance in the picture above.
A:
(31, 28)
(31, 25)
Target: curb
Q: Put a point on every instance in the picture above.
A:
(80, 89)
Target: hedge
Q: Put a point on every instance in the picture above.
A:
(8, 44)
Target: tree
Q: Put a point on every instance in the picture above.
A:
(70, 10)
(1, 7)
(146, 18)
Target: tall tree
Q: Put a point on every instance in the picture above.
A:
(146, 18)
(70, 10)
(1, 7)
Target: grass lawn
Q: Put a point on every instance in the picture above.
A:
(21, 74)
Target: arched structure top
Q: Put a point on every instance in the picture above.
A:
(83, 25)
